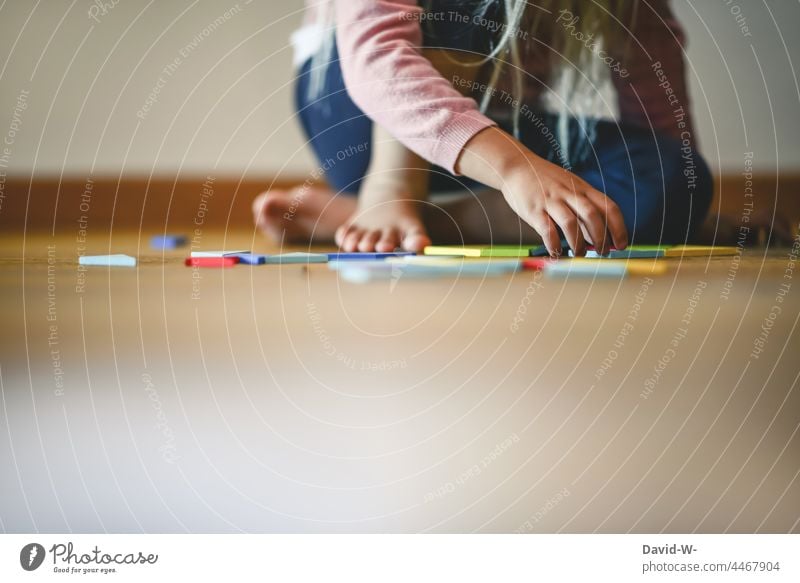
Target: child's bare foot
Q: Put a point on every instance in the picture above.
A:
(386, 218)
(298, 214)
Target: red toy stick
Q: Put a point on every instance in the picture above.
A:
(211, 261)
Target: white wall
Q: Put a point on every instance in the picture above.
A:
(226, 106)
(744, 82)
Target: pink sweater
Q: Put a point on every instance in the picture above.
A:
(380, 41)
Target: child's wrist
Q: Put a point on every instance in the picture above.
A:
(493, 157)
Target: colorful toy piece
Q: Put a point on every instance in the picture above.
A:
(211, 261)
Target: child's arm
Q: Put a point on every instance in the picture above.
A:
(390, 79)
(543, 194)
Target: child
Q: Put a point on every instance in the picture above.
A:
(500, 98)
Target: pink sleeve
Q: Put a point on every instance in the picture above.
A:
(655, 90)
(379, 44)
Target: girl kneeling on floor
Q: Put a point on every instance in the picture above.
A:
(510, 102)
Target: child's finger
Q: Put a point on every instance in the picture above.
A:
(593, 220)
(614, 220)
(570, 226)
(547, 230)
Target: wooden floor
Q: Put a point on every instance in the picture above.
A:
(164, 399)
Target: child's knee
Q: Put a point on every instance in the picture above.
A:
(689, 184)
(683, 202)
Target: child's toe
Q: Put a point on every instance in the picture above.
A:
(269, 210)
(389, 241)
(416, 240)
(258, 204)
(368, 241)
(351, 240)
(340, 234)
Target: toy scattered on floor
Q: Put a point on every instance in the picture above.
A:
(297, 258)
(632, 252)
(443, 266)
(118, 260)
(218, 253)
(699, 251)
(466, 266)
(168, 241)
(251, 258)
(224, 261)
(600, 269)
(366, 256)
(538, 251)
(471, 260)
(395, 269)
(427, 259)
(535, 263)
(433, 259)
(479, 250)
(655, 251)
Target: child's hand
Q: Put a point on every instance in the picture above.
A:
(543, 194)
(547, 196)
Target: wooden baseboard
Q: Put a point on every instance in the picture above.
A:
(129, 202)
(180, 204)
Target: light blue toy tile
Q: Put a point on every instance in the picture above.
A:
(118, 260)
(589, 269)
